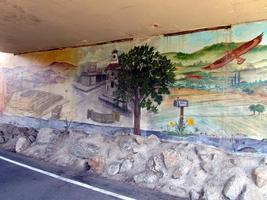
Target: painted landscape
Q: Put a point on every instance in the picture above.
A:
(222, 73)
(221, 100)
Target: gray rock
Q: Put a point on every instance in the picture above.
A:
(264, 161)
(251, 193)
(158, 165)
(97, 164)
(204, 153)
(84, 150)
(194, 195)
(22, 144)
(113, 168)
(234, 186)
(260, 174)
(147, 177)
(182, 169)
(212, 192)
(45, 135)
(171, 157)
(152, 140)
(126, 165)
(2, 139)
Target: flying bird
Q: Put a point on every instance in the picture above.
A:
(235, 54)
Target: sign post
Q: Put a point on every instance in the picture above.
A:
(181, 103)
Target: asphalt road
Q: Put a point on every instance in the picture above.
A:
(19, 183)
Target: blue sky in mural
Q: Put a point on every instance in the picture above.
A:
(192, 42)
(244, 32)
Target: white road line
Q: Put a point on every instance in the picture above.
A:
(119, 196)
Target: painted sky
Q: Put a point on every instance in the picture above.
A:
(192, 42)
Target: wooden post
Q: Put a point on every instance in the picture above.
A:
(181, 123)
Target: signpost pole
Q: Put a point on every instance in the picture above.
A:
(181, 123)
(181, 103)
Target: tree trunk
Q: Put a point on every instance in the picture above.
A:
(137, 112)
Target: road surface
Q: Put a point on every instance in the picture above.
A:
(20, 183)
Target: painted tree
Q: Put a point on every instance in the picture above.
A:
(260, 108)
(144, 77)
(252, 108)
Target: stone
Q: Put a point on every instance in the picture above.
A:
(212, 192)
(113, 168)
(31, 134)
(251, 193)
(96, 164)
(171, 157)
(22, 144)
(139, 139)
(207, 167)
(260, 175)
(264, 161)
(177, 173)
(2, 139)
(45, 135)
(182, 169)
(152, 140)
(84, 150)
(156, 164)
(147, 177)
(126, 143)
(234, 186)
(126, 165)
(193, 195)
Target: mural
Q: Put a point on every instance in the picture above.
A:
(222, 74)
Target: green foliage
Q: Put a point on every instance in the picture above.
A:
(252, 108)
(220, 47)
(248, 91)
(260, 108)
(257, 108)
(145, 68)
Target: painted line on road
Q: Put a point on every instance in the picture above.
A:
(119, 196)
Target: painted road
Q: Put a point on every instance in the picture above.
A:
(22, 178)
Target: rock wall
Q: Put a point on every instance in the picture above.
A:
(230, 144)
(182, 169)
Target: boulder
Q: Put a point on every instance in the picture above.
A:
(147, 177)
(177, 173)
(22, 144)
(139, 139)
(45, 136)
(171, 157)
(182, 169)
(264, 161)
(126, 143)
(84, 150)
(126, 165)
(194, 195)
(260, 175)
(2, 139)
(234, 186)
(152, 140)
(96, 164)
(212, 192)
(156, 164)
(251, 193)
(205, 153)
(113, 168)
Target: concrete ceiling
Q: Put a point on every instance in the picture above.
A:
(33, 25)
